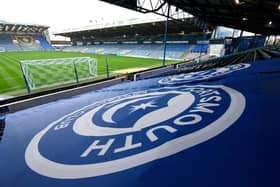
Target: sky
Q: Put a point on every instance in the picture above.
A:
(63, 14)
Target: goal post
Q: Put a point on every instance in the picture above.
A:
(55, 72)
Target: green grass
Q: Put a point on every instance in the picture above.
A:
(11, 79)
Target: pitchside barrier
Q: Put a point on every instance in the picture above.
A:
(163, 70)
(20, 103)
(168, 69)
(155, 72)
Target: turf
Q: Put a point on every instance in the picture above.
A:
(12, 82)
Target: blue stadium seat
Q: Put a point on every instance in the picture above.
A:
(200, 48)
(26, 42)
(173, 51)
(6, 43)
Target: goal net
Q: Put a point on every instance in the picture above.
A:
(56, 72)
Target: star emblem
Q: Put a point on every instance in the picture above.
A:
(143, 106)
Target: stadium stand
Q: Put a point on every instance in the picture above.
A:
(6, 43)
(11, 42)
(174, 51)
(145, 50)
(26, 43)
(23, 37)
(15, 42)
(191, 38)
(134, 39)
(200, 48)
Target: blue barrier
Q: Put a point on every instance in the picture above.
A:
(244, 43)
(219, 131)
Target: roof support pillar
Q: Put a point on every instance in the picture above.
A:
(214, 33)
(241, 34)
(165, 35)
(275, 39)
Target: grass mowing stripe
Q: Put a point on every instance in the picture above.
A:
(11, 70)
(7, 71)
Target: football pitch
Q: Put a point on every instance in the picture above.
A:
(11, 78)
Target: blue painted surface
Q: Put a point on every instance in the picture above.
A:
(44, 42)
(200, 48)
(244, 43)
(245, 154)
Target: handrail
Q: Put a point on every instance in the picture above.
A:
(264, 54)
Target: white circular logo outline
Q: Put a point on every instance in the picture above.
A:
(203, 75)
(84, 127)
(48, 168)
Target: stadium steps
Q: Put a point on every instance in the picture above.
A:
(157, 51)
(126, 52)
(134, 50)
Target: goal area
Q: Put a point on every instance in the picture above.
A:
(56, 72)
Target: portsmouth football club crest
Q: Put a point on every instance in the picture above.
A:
(203, 75)
(130, 130)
